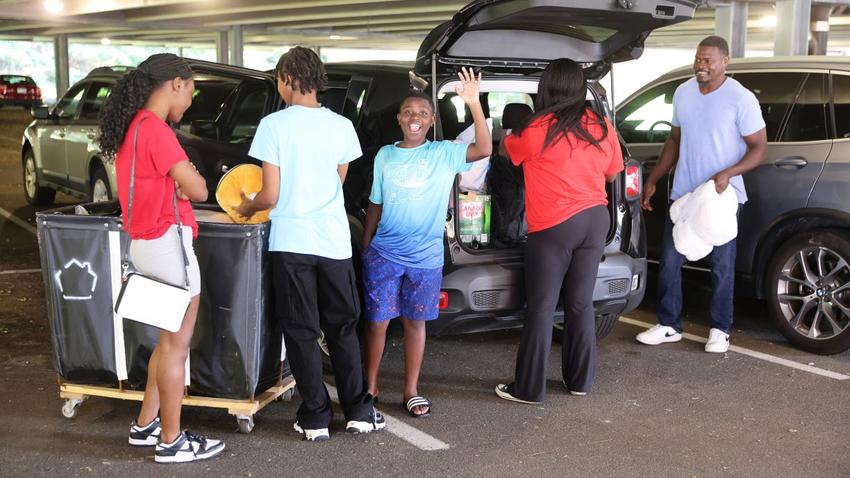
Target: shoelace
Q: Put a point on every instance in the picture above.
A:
(191, 437)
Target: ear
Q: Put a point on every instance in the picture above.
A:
(177, 83)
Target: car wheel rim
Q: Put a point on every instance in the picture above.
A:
(30, 182)
(100, 192)
(814, 293)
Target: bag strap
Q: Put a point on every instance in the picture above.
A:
(126, 264)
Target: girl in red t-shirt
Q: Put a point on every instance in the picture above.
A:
(567, 152)
(135, 114)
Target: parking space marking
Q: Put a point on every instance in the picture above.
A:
(411, 435)
(20, 271)
(20, 222)
(752, 353)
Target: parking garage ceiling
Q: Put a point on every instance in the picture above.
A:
(393, 24)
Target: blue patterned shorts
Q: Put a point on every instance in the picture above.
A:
(391, 289)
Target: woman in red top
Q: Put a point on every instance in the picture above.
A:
(567, 152)
(135, 114)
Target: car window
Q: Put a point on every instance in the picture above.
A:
(646, 119)
(841, 100)
(808, 118)
(333, 98)
(94, 99)
(247, 111)
(354, 97)
(17, 80)
(775, 92)
(497, 101)
(68, 105)
(204, 116)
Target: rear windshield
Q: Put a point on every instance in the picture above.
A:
(16, 80)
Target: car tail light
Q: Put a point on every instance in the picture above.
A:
(444, 300)
(633, 182)
(38, 92)
(2, 90)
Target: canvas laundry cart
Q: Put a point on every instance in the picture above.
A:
(236, 361)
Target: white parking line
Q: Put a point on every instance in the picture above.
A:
(20, 271)
(753, 353)
(8, 215)
(411, 435)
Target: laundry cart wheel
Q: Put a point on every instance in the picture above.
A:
(71, 407)
(245, 422)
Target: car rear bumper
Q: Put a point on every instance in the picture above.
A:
(492, 297)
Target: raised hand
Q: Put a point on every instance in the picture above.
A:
(470, 86)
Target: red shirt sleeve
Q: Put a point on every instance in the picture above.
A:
(616, 165)
(527, 145)
(164, 148)
(517, 148)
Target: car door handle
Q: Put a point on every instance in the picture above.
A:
(791, 162)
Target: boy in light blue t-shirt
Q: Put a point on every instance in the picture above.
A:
(305, 150)
(403, 260)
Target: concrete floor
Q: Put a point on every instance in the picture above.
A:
(671, 410)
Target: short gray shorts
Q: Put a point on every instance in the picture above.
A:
(161, 258)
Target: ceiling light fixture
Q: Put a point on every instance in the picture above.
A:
(335, 37)
(105, 41)
(54, 6)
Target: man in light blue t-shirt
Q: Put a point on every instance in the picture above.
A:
(403, 238)
(305, 150)
(717, 133)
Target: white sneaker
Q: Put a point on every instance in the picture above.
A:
(659, 334)
(313, 434)
(718, 341)
(375, 423)
(187, 447)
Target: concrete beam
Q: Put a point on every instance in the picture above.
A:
(731, 24)
(235, 40)
(820, 29)
(221, 47)
(792, 27)
(60, 55)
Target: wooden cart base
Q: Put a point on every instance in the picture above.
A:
(243, 410)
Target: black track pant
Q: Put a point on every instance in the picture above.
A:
(562, 259)
(313, 292)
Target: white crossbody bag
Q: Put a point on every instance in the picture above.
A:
(147, 300)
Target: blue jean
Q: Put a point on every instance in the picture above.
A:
(669, 298)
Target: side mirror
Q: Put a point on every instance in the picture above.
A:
(40, 112)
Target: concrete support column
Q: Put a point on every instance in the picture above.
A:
(60, 55)
(235, 40)
(221, 48)
(791, 36)
(820, 29)
(731, 23)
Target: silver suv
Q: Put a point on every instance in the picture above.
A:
(794, 235)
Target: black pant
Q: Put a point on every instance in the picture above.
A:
(313, 292)
(562, 259)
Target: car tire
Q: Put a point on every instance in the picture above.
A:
(35, 194)
(604, 325)
(808, 291)
(100, 190)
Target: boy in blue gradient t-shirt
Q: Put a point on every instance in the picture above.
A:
(403, 240)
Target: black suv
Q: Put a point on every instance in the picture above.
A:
(511, 41)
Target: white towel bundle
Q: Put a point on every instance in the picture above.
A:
(704, 219)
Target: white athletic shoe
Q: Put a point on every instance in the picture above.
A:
(718, 341)
(659, 334)
(187, 447)
(313, 434)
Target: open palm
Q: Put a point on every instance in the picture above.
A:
(470, 86)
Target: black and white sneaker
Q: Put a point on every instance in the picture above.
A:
(187, 447)
(147, 435)
(374, 423)
(505, 391)
(313, 434)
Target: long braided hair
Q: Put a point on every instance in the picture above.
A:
(130, 94)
